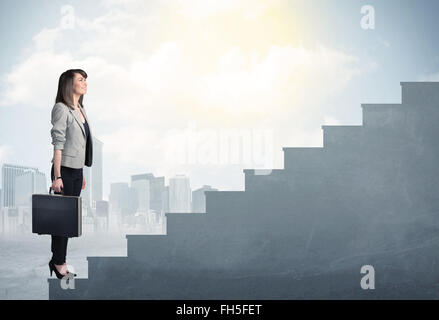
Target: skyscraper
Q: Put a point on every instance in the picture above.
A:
(28, 183)
(117, 192)
(86, 193)
(165, 200)
(179, 194)
(96, 171)
(9, 174)
(156, 188)
(142, 189)
(2, 214)
(93, 177)
(199, 198)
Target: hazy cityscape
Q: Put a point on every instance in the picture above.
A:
(137, 207)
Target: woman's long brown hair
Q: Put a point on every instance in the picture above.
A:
(65, 87)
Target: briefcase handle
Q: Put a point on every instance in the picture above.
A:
(50, 190)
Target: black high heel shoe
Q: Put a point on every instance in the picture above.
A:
(53, 268)
(57, 273)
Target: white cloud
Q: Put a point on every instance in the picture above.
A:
(32, 81)
(144, 82)
(285, 77)
(131, 144)
(161, 71)
(203, 9)
(45, 39)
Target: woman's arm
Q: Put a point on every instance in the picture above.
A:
(57, 184)
(59, 122)
(57, 153)
(58, 133)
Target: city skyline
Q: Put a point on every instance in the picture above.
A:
(22, 171)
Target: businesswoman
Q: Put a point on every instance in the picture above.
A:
(72, 142)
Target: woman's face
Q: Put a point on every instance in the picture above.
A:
(79, 84)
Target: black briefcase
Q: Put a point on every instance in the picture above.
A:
(57, 214)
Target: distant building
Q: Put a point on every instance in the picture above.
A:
(156, 187)
(96, 171)
(28, 183)
(123, 198)
(93, 176)
(142, 189)
(102, 209)
(2, 212)
(86, 193)
(34, 181)
(179, 194)
(199, 198)
(165, 199)
(117, 192)
(129, 203)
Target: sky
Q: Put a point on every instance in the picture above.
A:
(170, 81)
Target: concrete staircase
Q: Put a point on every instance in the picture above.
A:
(369, 196)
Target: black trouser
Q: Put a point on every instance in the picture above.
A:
(72, 184)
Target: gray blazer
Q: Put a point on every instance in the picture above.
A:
(68, 135)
